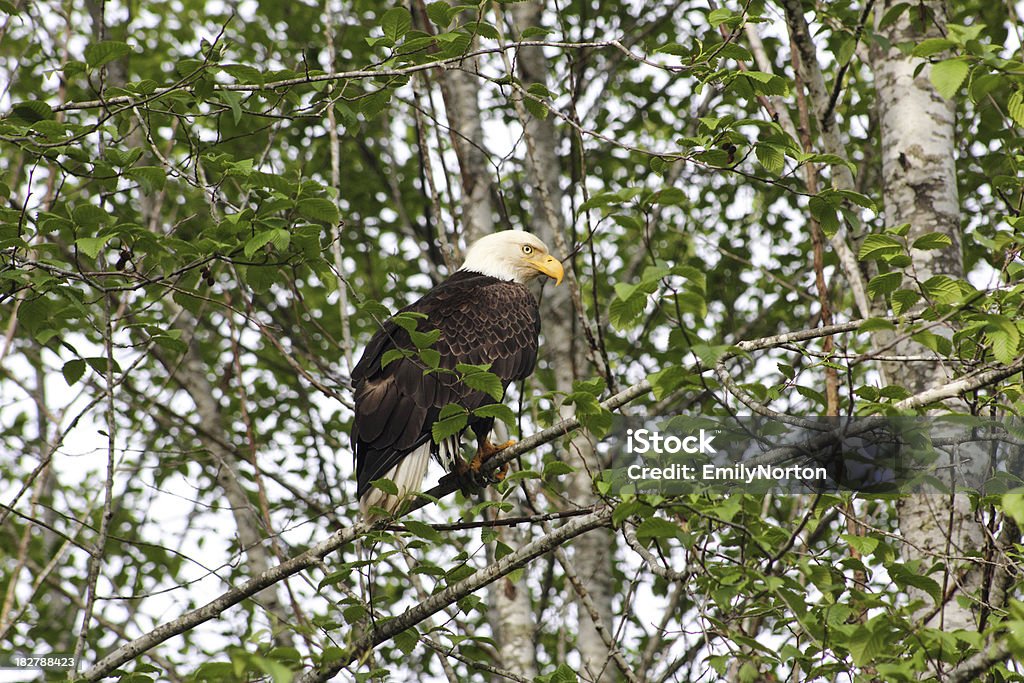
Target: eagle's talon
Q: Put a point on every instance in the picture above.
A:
(471, 475)
(487, 451)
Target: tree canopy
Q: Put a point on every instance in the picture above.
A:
(783, 209)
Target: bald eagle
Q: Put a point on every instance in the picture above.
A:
(485, 315)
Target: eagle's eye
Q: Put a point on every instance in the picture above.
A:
(527, 249)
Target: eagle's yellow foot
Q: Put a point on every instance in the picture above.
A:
(485, 453)
(470, 477)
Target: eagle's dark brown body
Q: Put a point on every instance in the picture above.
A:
(482, 320)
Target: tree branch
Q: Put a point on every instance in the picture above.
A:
(360, 73)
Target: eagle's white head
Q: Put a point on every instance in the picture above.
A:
(514, 255)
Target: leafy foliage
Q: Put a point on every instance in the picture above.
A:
(207, 208)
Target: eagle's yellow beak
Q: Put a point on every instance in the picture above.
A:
(549, 265)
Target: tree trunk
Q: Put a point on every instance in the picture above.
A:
(920, 188)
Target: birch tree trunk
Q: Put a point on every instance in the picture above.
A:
(920, 188)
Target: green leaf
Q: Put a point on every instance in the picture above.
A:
(396, 22)
(73, 370)
(234, 102)
(709, 354)
(905, 576)
(440, 13)
(876, 324)
(599, 199)
(825, 213)
(932, 46)
(846, 50)
(486, 382)
(903, 300)
(733, 51)
(150, 178)
(866, 643)
(537, 109)
(242, 73)
(392, 355)
(876, 247)
(386, 485)
(422, 530)
(424, 340)
(430, 357)
(865, 545)
(1015, 107)
(557, 468)
(99, 364)
(623, 312)
(717, 16)
(884, 283)
(1004, 337)
(481, 28)
(318, 209)
(668, 379)
(589, 411)
(119, 157)
(658, 527)
(563, 674)
(278, 237)
(765, 83)
(32, 111)
(279, 673)
(98, 54)
(831, 160)
(1013, 505)
(770, 157)
(89, 215)
(451, 421)
(535, 33)
(91, 246)
(1004, 347)
(669, 196)
(498, 411)
(932, 240)
(408, 320)
(942, 289)
(406, 640)
(948, 75)
(930, 340)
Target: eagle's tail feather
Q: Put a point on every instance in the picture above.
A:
(407, 475)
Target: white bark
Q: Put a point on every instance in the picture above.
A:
(513, 615)
(919, 176)
(467, 136)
